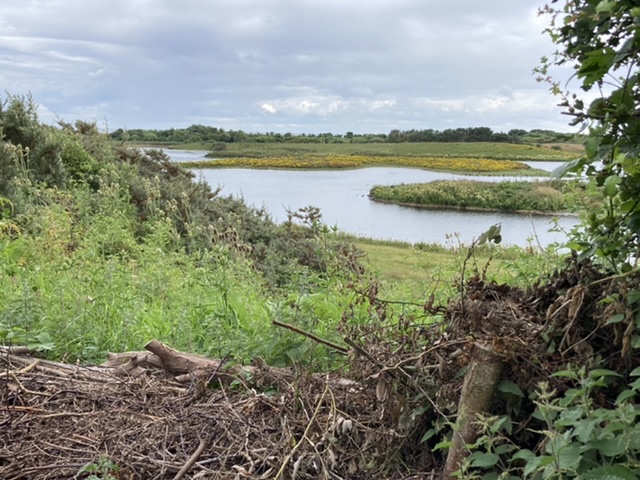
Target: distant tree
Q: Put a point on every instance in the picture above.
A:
(117, 134)
(479, 134)
(395, 136)
(515, 135)
(237, 136)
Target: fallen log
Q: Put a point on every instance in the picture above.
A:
(185, 367)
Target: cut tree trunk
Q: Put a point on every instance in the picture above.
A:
(480, 382)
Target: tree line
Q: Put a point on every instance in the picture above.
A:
(213, 135)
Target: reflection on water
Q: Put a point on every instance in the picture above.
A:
(342, 198)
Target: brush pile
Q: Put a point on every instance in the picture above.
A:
(174, 415)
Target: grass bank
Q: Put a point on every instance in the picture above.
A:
(541, 197)
(494, 151)
(333, 162)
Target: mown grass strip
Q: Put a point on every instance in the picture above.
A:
(543, 196)
(416, 271)
(479, 165)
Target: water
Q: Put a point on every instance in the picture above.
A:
(343, 201)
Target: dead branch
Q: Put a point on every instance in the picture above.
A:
(192, 459)
(313, 337)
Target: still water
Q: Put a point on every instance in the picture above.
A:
(342, 199)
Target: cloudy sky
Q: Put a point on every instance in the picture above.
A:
(300, 66)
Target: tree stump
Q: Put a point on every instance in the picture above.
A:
(480, 382)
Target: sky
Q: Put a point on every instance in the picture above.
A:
(299, 66)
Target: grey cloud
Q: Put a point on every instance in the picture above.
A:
(298, 65)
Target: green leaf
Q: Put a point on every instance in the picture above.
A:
(533, 463)
(523, 454)
(633, 297)
(442, 446)
(419, 411)
(502, 449)
(569, 457)
(89, 468)
(566, 374)
(491, 235)
(628, 206)
(624, 396)
(611, 447)
(602, 372)
(485, 460)
(635, 372)
(427, 435)
(507, 386)
(617, 318)
(605, 6)
(575, 166)
(491, 476)
(609, 472)
(575, 246)
(503, 422)
(584, 429)
(611, 185)
(595, 65)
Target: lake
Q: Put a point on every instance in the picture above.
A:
(342, 197)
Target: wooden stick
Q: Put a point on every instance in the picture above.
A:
(24, 370)
(16, 349)
(192, 459)
(362, 352)
(313, 337)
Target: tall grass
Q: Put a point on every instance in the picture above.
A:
(80, 286)
(83, 290)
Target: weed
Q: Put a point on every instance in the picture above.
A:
(103, 469)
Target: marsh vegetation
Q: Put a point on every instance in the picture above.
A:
(507, 196)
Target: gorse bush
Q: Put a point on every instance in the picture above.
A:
(155, 186)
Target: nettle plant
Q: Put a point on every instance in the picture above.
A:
(579, 439)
